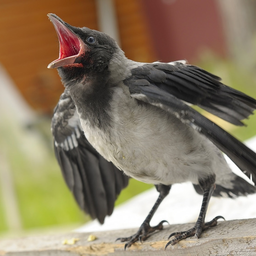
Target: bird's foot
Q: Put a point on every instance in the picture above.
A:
(195, 231)
(144, 232)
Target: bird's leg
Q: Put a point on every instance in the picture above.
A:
(145, 229)
(208, 186)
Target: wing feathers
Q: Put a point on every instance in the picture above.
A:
(94, 182)
(196, 86)
(107, 178)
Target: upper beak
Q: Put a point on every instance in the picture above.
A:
(70, 44)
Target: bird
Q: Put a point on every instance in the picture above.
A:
(119, 119)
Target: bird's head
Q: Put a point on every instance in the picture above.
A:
(82, 51)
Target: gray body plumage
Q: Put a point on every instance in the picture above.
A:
(146, 142)
(152, 145)
(118, 118)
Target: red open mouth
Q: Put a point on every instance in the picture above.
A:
(70, 45)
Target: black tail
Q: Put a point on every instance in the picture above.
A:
(231, 186)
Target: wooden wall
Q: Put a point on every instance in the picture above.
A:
(149, 30)
(134, 31)
(28, 42)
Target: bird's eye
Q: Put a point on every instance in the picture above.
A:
(91, 40)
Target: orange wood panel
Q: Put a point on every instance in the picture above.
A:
(28, 42)
(134, 34)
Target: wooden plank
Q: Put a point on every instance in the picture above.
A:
(236, 237)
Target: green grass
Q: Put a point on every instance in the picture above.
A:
(43, 198)
(46, 201)
(3, 224)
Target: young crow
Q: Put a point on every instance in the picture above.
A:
(118, 118)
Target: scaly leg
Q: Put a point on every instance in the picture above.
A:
(208, 186)
(145, 229)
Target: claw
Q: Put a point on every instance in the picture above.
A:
(213, 222)
(126, 246)
(121, 239)
(141, 238)
(219, 217)
(173, 234)
(170, 242)
(178, 236)
(163, 221)
(144, 232)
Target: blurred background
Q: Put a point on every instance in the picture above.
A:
(216, 35)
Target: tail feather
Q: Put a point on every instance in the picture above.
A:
(230, 186)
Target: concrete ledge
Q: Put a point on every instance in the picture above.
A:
(236, 237)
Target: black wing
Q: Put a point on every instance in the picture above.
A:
(94, 182)
(168, 85)
(198, 87)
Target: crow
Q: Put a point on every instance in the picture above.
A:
(118, 118)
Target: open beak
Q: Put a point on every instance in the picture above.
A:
(70, 45)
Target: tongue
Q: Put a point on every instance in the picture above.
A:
(70, 45)
(68, 42)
